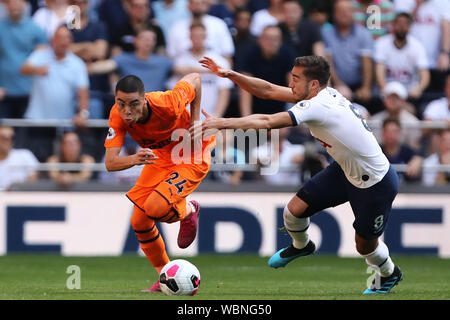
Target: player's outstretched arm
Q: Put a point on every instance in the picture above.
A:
(115, 162)
(257, 87)
(254, 121)
(194, 79)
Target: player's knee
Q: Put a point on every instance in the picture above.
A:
(157, 208)
(364, 246)
(297, 207)
(139, 221)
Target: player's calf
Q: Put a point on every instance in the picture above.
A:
(389, 275)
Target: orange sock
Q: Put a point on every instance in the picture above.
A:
(156, 253)
(152, 244)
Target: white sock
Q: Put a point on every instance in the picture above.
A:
(296, 227)
(380, 260)
(191, 206)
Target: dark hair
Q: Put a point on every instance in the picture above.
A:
(294, 1)
(145, 30)
(316, 68)
(129, 84)
(404, 15)
(391, 120)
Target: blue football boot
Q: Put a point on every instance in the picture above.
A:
(286, 255)
(386, 283)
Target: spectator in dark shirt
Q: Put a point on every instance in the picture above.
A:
(90, 43)
(270, 61)
(320, 13)
(113, 13)
(244, 42)
(226, 11)
(70, 152)
(398, 153)
(139, 19)
(300, 33)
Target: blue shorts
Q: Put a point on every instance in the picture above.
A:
(371, 206)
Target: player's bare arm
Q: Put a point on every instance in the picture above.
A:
(195, 81)
(115, 162)
(254, 121)
(257, 87)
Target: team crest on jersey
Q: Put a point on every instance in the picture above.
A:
(304, 104)
(111, 133)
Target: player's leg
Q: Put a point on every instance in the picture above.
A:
(188, 226)
(149, 239)
(371, 207)
(376, 254)
(151, 242)
(179, 184)
(322, 191)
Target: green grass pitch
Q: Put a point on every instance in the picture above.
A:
(223, 277)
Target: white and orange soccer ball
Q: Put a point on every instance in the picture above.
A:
(179, 278)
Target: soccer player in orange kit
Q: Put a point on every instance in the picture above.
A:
(161, 190)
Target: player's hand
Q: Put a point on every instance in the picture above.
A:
(145, 156)
(363, 93)
(443, 62)
(414, 167)
(415, 92)
(212, 66)
(196, 134)
(345, 91)
(79, 120)
(64, 179)
(42, 71)
(211, 123)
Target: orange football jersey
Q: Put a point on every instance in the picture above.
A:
(168, 113)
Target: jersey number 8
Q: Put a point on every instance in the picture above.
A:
(360, 117)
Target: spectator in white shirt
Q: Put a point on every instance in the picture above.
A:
(400, 57)
(16, 165)
(439, 109)
(289, 158)
(49, 18)
(215, 90)
(432, 28)
(436, 110)
(218, 37)
(396, 107)
(271, 16)
(432, 177)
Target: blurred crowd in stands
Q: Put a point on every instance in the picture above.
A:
(60, 59)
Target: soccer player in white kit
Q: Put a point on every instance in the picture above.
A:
(360, 174)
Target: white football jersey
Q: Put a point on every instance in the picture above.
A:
(341, 129)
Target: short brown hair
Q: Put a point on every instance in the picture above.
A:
(391, 120)
(316, 68)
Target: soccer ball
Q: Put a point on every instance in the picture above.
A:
(179, 278)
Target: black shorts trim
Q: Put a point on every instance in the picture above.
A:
(159, 218)
(162, 196)
(135, 203)
(302, 194)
